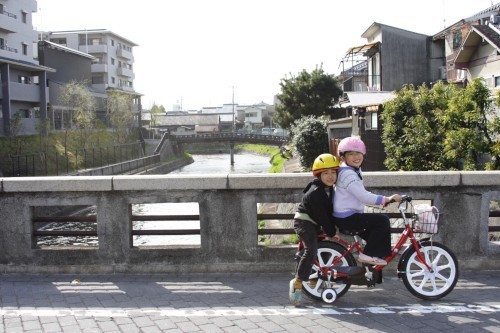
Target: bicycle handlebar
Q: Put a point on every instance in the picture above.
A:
(404, 198)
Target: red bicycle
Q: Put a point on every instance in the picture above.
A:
(429, 270)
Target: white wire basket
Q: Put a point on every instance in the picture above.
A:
(426, 219)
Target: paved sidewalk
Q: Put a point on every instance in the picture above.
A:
(236, 303)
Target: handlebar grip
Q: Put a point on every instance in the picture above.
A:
(406, 198)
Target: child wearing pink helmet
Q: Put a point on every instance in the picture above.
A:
(350, 200)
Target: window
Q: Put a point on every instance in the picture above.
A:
(25, 113)
(23, 79)
(373, 116)
(24, 17)
(25, 49)
(371, 120)
(457, 39)
(497, 81)
(113, 80)
(112, 61)
(60, 41)
(112, 42)
(97, 80)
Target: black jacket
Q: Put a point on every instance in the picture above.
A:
(319, 206)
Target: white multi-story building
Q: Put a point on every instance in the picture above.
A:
(24, 91)
(113, 67)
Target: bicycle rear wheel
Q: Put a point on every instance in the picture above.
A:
(431, 284)
(327, 252)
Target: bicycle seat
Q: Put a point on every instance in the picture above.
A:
(352, 232)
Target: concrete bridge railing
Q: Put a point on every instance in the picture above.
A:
(228, 219)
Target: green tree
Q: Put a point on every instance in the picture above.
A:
(15, 127)
(156, 112)
(310, 139)
(77, 96)
(440, 128)
(412, 137)
(307, 94)
(469, 133)
(120, 114)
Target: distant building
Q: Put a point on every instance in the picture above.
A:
(72, 65)
(113, 67)
(23, 79)
(188, 124)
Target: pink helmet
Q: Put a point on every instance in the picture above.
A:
(352, 143)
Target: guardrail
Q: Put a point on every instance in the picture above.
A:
(228, 219)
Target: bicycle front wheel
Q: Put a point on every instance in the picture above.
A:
(327, 252)
(433, 283)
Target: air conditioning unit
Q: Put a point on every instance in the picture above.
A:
(460, 74)
(443, 73)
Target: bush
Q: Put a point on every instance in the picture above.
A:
(310, 139)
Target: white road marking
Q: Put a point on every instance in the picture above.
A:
(287, 311)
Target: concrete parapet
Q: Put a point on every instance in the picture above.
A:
(228, 219)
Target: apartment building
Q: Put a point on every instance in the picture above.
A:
(113, 65)
(23, 80)
(71, 65)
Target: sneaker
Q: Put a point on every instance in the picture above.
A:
(363, 258)
(313, 282)
(295, 294)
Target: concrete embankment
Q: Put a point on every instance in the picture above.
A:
(166, 167)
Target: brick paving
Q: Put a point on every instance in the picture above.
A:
(236, 303)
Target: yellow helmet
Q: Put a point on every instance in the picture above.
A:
(324, 162)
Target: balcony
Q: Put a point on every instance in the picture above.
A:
(98, 48)
(10, 24)
(25, 92)
(125, 72)
(361, 83)
(99, 68)
(124, 54)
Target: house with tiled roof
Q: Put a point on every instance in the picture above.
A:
(188, 124)
(393, 57)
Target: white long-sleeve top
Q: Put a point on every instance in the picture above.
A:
(350, 193)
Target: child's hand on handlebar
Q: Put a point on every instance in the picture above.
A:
(392, 198)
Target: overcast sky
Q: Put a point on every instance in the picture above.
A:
(193, 52)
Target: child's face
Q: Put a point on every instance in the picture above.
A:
(329, 177)
(353, 158)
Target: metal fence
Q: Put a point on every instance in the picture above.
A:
(53, 163)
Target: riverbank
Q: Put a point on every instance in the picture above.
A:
(292, 165)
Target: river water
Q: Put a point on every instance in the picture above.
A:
(203, 164)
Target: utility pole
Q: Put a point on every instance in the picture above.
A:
(231, 143)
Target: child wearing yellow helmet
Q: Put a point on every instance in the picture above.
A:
(314, 216)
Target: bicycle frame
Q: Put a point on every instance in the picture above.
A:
(407, 234)
(428, 269)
